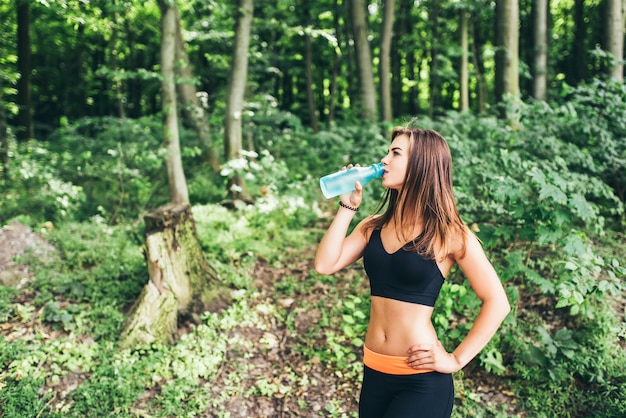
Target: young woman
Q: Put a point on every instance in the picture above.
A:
(407, 252)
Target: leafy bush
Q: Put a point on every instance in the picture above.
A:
(34, 187)
(99, 268)
(546, 199)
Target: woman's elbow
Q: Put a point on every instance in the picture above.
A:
(505, 307)
(320, 268)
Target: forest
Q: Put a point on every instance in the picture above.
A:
(161, 207)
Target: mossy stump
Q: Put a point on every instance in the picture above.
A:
(181, 281)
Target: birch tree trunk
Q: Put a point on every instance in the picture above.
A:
(540, 79)
(364, 60)
(235, 95)
(615, 37)
(385, 51)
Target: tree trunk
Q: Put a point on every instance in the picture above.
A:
(309, 69)
(192, 110)
(175, 174)
(4, 137)
(578, 63)
(434, 86)
(507, 58)
(464, 73)
(615, 37)
(479, 69)
(540, 79)
(398, 69)
(236, 93)
(364, 60)
(26, 128)
(332, 96)
(385, 52)
(181, 279)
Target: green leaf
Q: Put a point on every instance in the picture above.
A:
(553, 192)
(583, 208)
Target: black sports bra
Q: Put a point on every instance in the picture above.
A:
(403, 275)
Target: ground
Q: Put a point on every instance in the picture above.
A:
(315, 389)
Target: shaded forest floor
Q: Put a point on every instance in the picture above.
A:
(269, 369)
(292, 359)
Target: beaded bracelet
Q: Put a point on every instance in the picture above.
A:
(343, 205)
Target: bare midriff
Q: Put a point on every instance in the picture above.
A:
(395, 326)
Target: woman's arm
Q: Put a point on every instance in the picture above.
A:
(495, 307)
(337, 251)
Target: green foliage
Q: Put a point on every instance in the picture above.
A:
(585, 365)
(545, 199)
(98, 269)
(35, 188)
(117, 162)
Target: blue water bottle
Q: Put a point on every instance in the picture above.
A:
(343, 181)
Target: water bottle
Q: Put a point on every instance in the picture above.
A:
(343, 181)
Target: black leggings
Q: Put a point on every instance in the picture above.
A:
(428, 395)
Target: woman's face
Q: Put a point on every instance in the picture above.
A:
(396, 162)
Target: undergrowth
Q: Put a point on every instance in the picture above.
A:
(546, 202)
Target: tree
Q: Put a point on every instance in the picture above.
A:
(385, 50)
(191, 108)
(4, 137)
(308, 66)
(364, 61)
(236, 93)
(181, 279)
(175, 173)
(336, 57)
(464, 73)
(507, 57)
(540, 79)
(615, 37)
(434, 85)
(577, 69)
(478, 42)
(24, 65)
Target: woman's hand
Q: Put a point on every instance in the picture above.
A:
(432, 357)
(353, 198)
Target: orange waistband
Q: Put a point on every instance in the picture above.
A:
(388, 364)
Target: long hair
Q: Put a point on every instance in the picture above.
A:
(426, 196)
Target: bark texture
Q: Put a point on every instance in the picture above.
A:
(540, 80)
(182, 282)
(615, 37)
(364, 60)
(385, 53)
(235, 95)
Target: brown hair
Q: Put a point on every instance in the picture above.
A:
(426, 196)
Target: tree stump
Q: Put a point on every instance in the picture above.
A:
(181, 279)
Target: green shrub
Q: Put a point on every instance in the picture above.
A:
(35, 189)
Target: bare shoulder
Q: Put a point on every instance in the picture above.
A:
(462, 239)
(363, 226)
